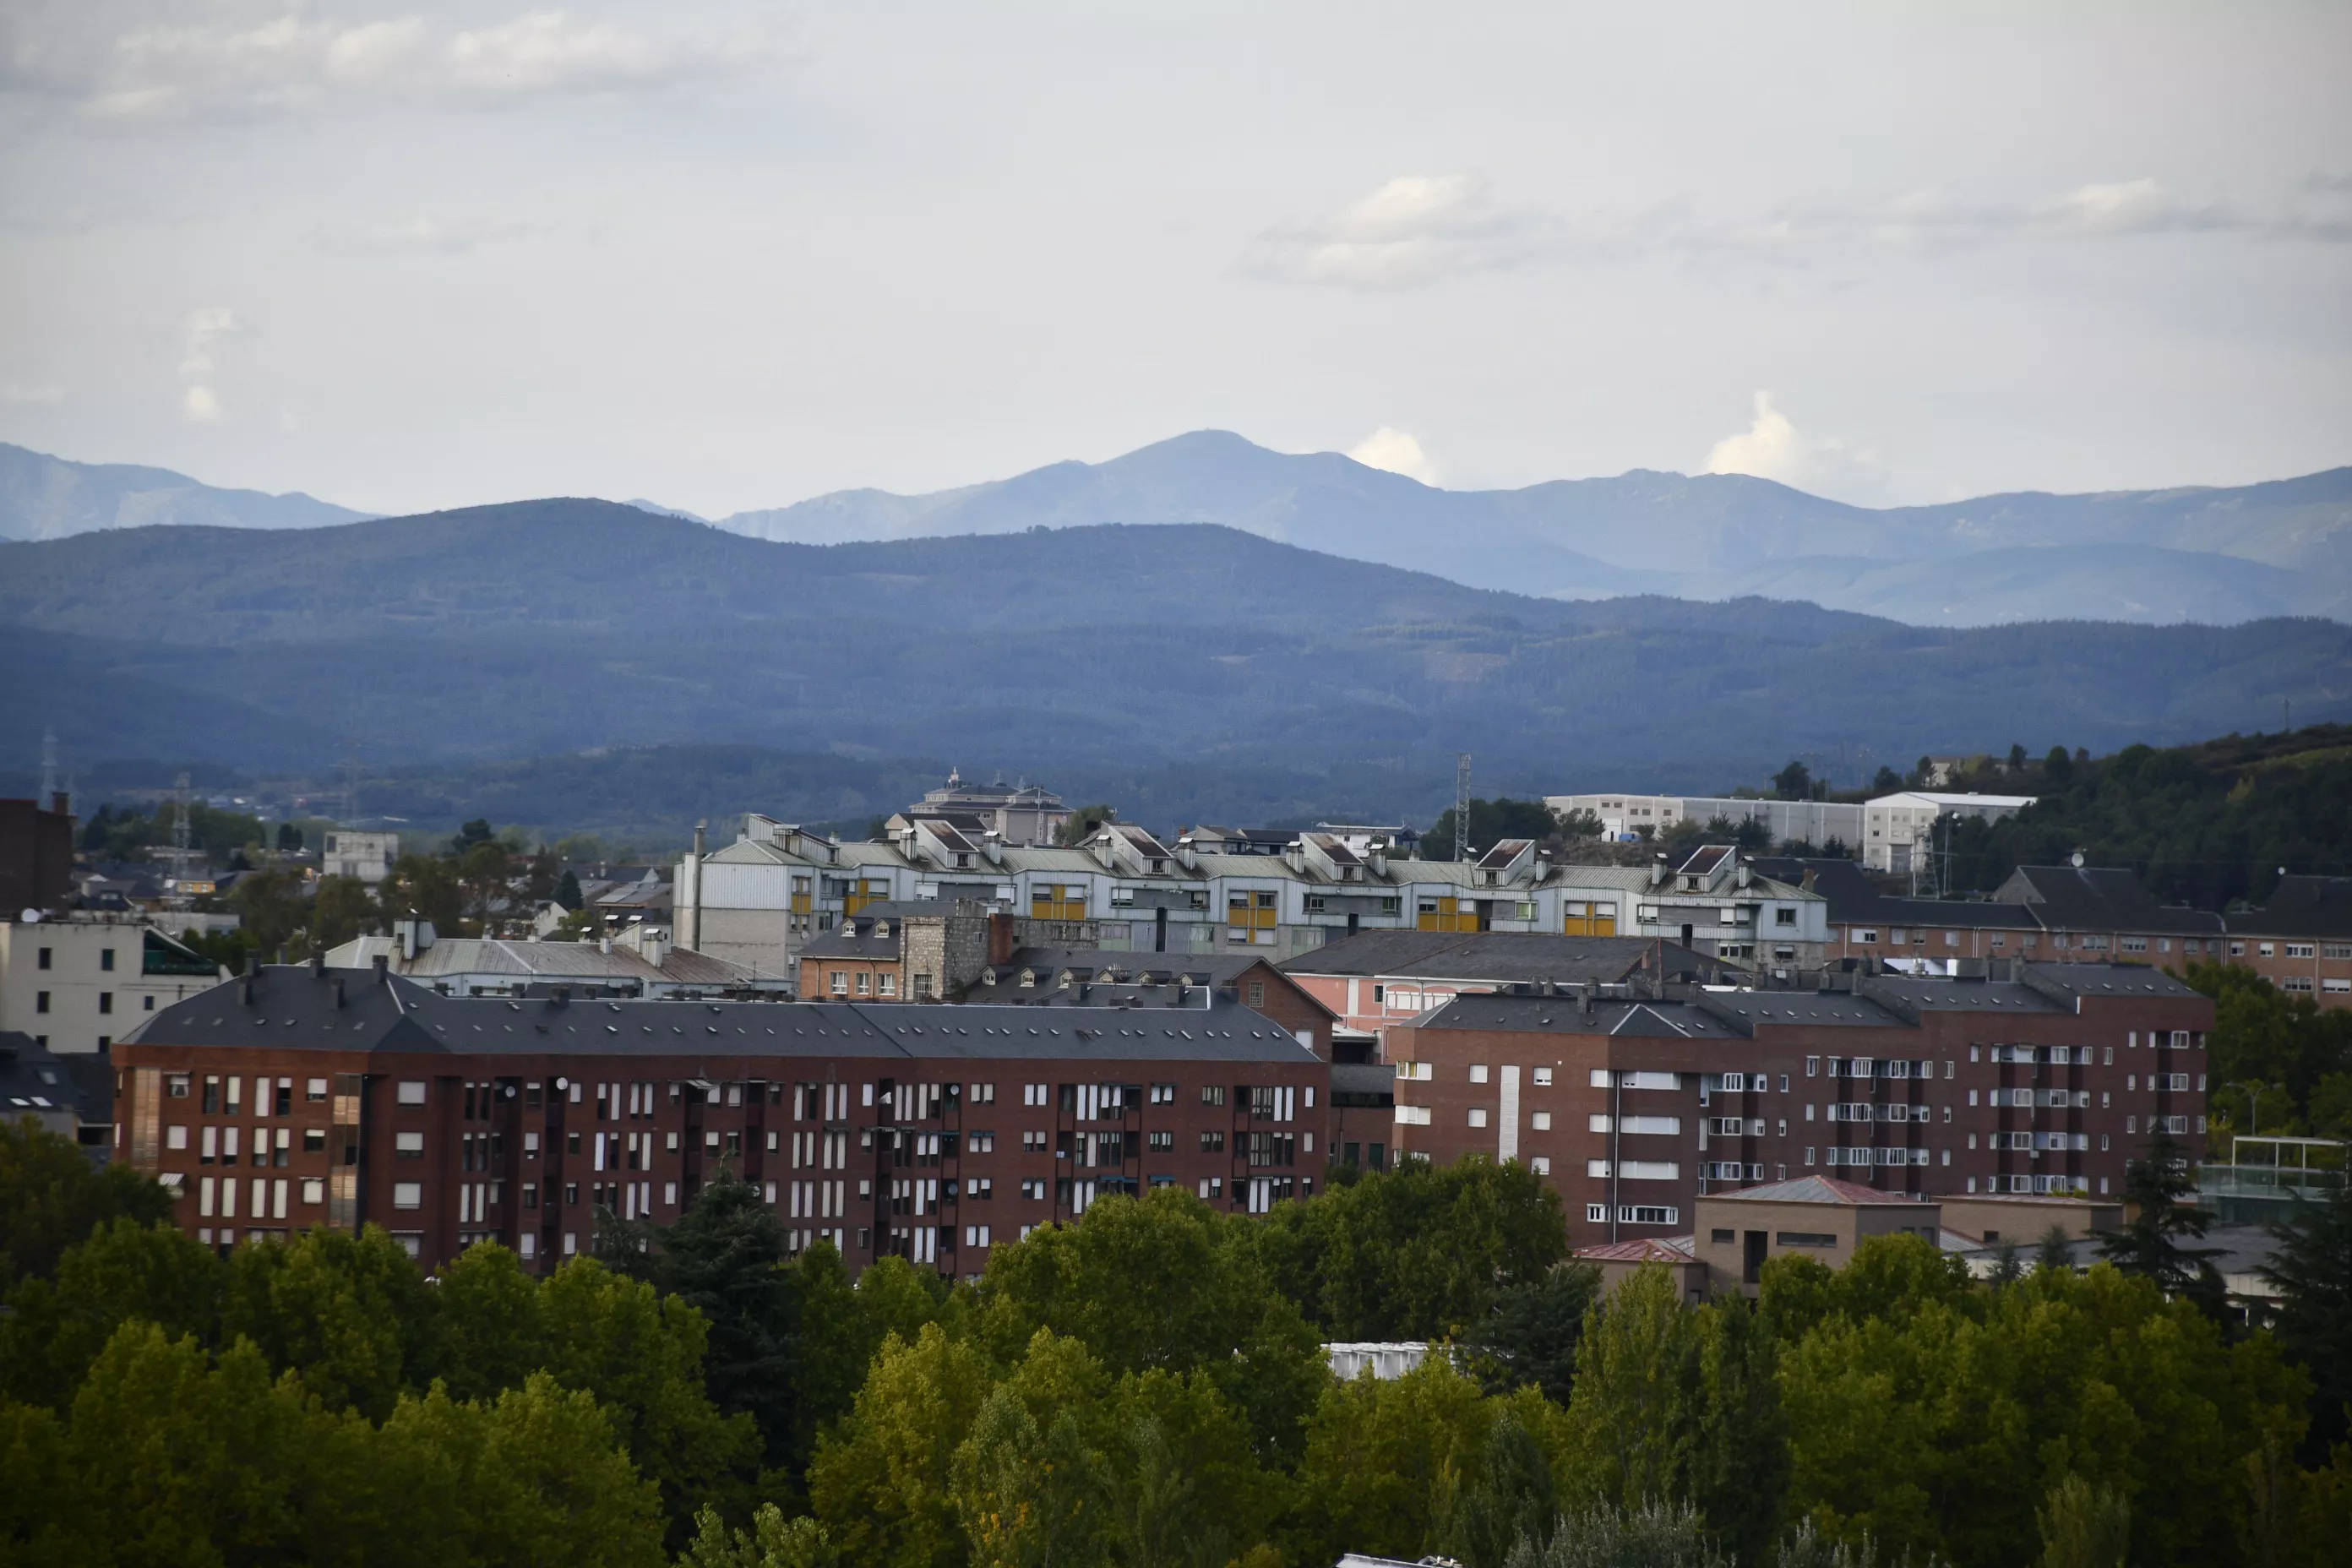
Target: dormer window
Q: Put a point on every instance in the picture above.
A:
(1028, 977)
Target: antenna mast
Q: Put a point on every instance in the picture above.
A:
(1462, 807)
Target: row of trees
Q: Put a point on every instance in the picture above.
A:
(1146, 1387)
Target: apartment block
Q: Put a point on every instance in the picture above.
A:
(78, 982)
(302, 1095)
(2300, 939)
(2026, 1078)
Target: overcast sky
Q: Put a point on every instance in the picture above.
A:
(727, 256)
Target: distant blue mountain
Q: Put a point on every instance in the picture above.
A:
(43, 496)
(2219, 555)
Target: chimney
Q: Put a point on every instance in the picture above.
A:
(383, 969)
(1002, 938)
(1744, 873)
(1294, 855)
(1657, 869)
(338, 993)
(61, 802)
(317, 962)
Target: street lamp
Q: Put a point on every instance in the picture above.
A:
(2254, 1092)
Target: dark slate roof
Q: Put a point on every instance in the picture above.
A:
(1855, 899)
(2317, 907)
(1784, 1008)
(293, 1008)
(1966, 994)
(2137, 980)
(34, 1079)
(2100, 899)
(1363, 1078)
(851, 943)
(1562, 1016)
(1497, 956)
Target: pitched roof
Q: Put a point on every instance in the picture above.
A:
(1810, 1190)
(2300, 906)
(2099, 898)
(293, 1009)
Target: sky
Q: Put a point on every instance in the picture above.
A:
(729, 255)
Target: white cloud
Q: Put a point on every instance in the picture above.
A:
(200, 335)
(293, 63)
(1414, 229)
(1772, 448)
(20, 395)
(2315, 210)
(1397, 452)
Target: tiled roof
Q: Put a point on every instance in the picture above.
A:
(1810, 1190)
(1669, 1249)
(2300, 906)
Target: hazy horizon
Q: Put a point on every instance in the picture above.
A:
(728, 257)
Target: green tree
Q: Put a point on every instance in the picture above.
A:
(1416, 1253)
(1633, 1416)
(1083, 822)
(1385, 1461)
(1886, 781)
(1656, 1534)
(880, 1483)
(290, 837)
(773, 1542)
(423, 886)
(1031, 1485)
(1515, 1497)
(640, 1353)
(1531, 1335)
(2150, 1244)
(53, 1329)
(50, 1198)
(1739, 1451)
(340, 910)
(1794, 782)
(490, 1334)
(567, 891)
(2312, 1271)
(2084, 1526)
(2058, 768)
(349, 1315)
(273, 906)
(532, 1477)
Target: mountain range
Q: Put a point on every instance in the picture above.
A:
(43, 496)
(2221, 556)
(1251, 671)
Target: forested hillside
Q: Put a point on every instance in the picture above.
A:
(554, 627)
(2205, 825)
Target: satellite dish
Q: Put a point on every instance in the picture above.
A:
(2078, 860)
(31, 917)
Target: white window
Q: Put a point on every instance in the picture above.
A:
(1540, 1165)
(176, 1138)
(1646, 1213)
(1543, 1077)
(1650, 1170)
(1597, 1213)
(1541, 1120)
(1478, 1116)
(1478, 1072)
(1413, 1115)
(1600, 1077)
(408, 1195)
(314, 1189)
(1651, 1124)
(1598, 1122)
(412, 1092)
(408, 1145)
(317, 1090)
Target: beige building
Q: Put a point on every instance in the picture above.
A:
(78, 982)
(1814, 1217)
(367, 856)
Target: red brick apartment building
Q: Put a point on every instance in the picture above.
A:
(1383, 979)
(2033, 1078)
(300, 1096)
